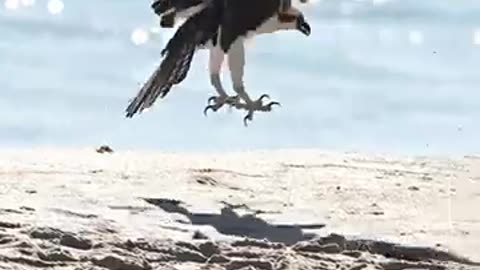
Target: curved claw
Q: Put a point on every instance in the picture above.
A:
(263, 96)
(274, 103)
(209, 107)
(210, 99)
(248, 117)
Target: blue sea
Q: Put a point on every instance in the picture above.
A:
(397, 76)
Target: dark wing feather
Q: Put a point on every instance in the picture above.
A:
(168, 9)
(162, 6)
(178, 54)
(178, 74)
(158, 83)
(181, 74)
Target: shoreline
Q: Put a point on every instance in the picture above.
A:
(439, 154)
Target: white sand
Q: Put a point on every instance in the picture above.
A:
(405, 200)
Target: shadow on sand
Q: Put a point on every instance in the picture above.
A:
(230, 223)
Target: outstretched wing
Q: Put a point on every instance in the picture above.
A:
(178, 55)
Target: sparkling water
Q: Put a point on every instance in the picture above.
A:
(375, 75)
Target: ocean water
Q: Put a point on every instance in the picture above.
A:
(375, 75)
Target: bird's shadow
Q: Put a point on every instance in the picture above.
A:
(230, 223)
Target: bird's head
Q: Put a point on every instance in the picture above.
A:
(294, 19)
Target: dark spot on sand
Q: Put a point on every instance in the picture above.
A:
(352, 253)
(45, 233)
(9, 225)
(206, 180)
(426, 177)
(26, 208)
(104, 149)
(315, 247)
(199, 235)
(73, 241)
(114, 262)
(10, 211)
(378, 213)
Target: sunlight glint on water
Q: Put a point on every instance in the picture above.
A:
(388, 75)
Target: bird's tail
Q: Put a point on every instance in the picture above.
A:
(178, 55)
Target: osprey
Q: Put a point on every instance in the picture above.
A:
(220, 26)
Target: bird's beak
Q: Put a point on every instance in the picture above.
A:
(303, 26)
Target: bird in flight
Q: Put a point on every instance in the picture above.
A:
(221, 26)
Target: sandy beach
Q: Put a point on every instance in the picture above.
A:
(80, 209)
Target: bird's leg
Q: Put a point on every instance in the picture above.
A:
(222, 97)
(215, 66)
(236, 61)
